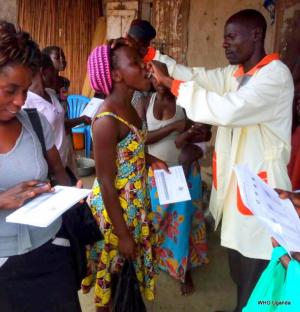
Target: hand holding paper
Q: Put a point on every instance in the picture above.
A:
(278, 215)
(171, 187)
(44, 209)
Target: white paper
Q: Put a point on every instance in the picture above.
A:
(46, 208)
(92, 107)
(171, 187)
(278, 215)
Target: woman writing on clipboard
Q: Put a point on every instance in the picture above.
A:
(36, 272)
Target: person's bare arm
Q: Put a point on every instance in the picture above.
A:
(70, 123)
(156, 135)
(195, 134)
(106, 135)
(159, 134)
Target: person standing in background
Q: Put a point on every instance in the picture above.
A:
(141, 32)
(61, 84)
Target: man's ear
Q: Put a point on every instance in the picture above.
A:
(116, 75)
(257, 34)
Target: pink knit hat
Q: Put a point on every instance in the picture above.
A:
(99, 69)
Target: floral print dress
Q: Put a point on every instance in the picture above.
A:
(181, 229)
(103, 257)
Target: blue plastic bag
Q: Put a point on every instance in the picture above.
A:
(268, 289)
(290, 295)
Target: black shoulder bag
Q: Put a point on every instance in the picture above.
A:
(78, 222)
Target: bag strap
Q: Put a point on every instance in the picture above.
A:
(37, 127)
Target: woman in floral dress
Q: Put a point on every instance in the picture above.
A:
(119, 200)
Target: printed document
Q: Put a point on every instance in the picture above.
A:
(171, 187)
(278, 215)
(92, 107)
(44, 209)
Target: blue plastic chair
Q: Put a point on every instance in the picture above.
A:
(76, 104)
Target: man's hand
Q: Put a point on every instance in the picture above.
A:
(158, 71)
(15, 197)
(292, 196)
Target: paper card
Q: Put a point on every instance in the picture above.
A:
(46, 208)
(171, 187)
(278, 215)
(92, 107)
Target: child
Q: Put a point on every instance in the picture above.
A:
(61, 84)
(119, 200)
(180, 226)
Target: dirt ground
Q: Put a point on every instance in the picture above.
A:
(214, 289)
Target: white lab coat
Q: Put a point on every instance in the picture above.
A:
(254, 128)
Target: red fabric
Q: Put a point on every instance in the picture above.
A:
(240, 204)
(214, 169)
(175, 86)
(265, 61)
(294, 165)
(150, 55)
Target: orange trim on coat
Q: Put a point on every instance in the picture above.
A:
(265, 61)
(175, 86)
(241, 206)
(150, 55)
(214, 169)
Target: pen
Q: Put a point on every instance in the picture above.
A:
(41, 184)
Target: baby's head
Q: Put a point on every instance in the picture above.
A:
(121, 65)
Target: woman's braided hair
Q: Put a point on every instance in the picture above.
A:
(17, 47)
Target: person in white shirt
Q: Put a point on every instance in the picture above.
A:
(251, 103)
(45, 100)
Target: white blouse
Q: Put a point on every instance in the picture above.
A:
(55, 114)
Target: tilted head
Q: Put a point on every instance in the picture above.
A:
(108, 67)
(57, 56)
(142, 32)
(19, 60)
(244, 36)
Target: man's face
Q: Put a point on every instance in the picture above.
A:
(238, 43)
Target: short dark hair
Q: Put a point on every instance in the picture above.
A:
(250, 17)
(113, 60)
(46, 61)
(142, 29)
(48, 50)
(17, 47)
